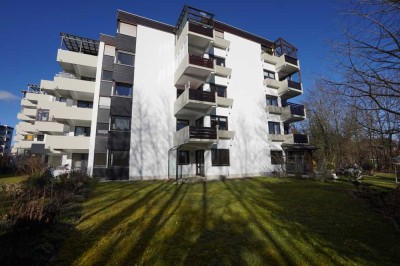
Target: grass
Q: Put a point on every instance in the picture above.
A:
(257, 221)
(381, 180)
(11, 179)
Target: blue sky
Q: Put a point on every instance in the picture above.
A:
(29, 32)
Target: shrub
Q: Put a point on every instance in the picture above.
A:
(31, 166)
(368, 167)
(331, 166)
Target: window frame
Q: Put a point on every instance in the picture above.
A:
(86, 131)
(276, 125)
(217, 118)
(276, 159)
(216, 157)
(218, 89)
(112, 123)
(268, 99)
(111, 158)
(88, 104)
(269, 73)
(125, 53)
(40, 113)
(121, 84)
(186, 160)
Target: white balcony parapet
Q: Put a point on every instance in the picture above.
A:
(276, 137)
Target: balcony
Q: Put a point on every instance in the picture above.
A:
(72, 115)
(224, 102)
(69, 87)
(78, 55)
(36, 97)
(293, 113)
(23, 117)
(29, 112)
(222, 70)
(276, 137)
(296, 139)
(23, 144)
(272, 109)
(195, 70)
(199, 21)
(51, 128)
(194, 102)
(195, 135)
(225, 134)
(269, 58)
(221, 43)
(76, 144)
(289, 89)
(27, 104)
(272, 83)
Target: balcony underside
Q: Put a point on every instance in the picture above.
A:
(198, 41)
(196, 77)
(286, 69)
(77, 63)
(289, 93)
(194, 109)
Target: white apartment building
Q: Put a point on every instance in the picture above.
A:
(157, 101)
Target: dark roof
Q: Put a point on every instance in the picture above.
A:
(80, 44)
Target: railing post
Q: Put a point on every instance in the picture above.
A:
(80, 47)
(62, 41)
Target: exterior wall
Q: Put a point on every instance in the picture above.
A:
(153, 122)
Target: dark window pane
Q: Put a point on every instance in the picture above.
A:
(42, 115)
(119, 158)
(40, 137)
(125, 59)
(102, 128)
(220, 157)
(100, 159)
(180, 123)
(183, 157)
(276, 157)
(221, 121)
(269, 74)
(107, 75)
(122, 89)
(121, 123)
(220, 90)
(274, 128)
(82, 131)
(272, 100)
(84, 104)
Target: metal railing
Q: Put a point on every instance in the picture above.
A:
(300, 138)
(202, 132)
(295, 109)
(199, 95)
(200, 29)
(200, 61)
(294, 85)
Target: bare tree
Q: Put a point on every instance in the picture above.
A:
(368, 56)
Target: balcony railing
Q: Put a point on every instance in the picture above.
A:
(291, 60)
(79, 44)
(200, 61)
(203, 96)
(300, 138)
(294, 85)
(202, 132)
(295, 109)
(200, 29)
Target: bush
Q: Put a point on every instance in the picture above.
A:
(41, 198)
(6, 164)
(368, 167)
(31, 166)
(331, 166)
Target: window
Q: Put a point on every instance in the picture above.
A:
(218, 60)
(122, 89)
(274, 128)
(272, 100)
(42, 115)
(220, 90)
(119, 158)
(276, 157)
(269, 74)
(180, 123)
(88, 78)
(220, 157)
(107, 75)
(183, 157)
(100, 159)
(62, 100)
(29, 137)
(221, 121)
(102, 129)
(84, 104)
(121, 123)
(40, 137)
(125, 58)
(82, 131)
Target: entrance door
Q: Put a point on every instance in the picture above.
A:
(200, 162)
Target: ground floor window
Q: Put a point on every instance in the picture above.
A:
(119, 158)
(220, 157)
(183, 157)
(276, 157)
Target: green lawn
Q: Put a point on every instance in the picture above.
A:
(381, 180)
(11, 179)
(261, 221)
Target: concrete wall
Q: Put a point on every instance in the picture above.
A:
(154, 93)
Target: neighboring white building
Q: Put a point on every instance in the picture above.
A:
(200, 98)
(6, 133)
